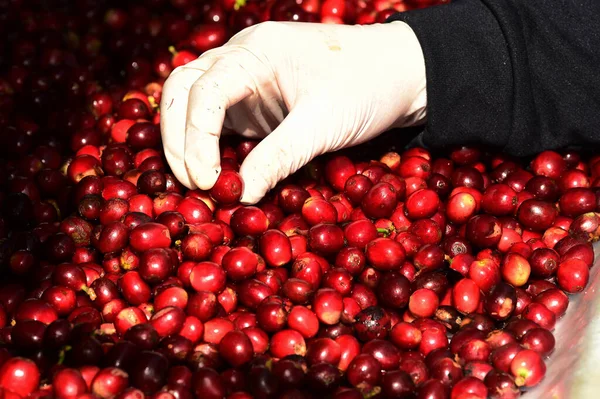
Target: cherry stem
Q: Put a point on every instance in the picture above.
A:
(384, 231)
(152, 102)
(239, 4)
(62, 354)
(301, 232)
(89, 291)
(375, 391)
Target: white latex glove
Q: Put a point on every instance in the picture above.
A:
(305, 88)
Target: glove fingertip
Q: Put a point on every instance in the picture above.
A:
(179, 170)
(203, 176)
(251, 198)
(254, 188)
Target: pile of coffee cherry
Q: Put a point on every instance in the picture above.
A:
(369, 273)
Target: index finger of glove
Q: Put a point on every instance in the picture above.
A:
(222, 86)
(173, 108)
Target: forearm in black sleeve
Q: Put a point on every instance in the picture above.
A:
(521, 75)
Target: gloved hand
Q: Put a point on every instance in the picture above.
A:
(305, 88)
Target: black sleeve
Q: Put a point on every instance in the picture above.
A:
(522, 75)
